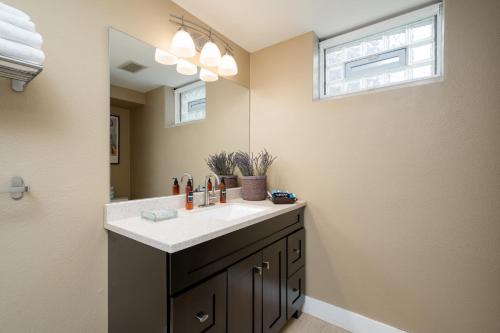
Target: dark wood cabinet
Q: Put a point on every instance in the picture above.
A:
(274, 287)
(248, 281)
(296, 251)
(295, 293)
(201, 309)
(244, 295)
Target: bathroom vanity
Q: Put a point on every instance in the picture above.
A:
(238, 267)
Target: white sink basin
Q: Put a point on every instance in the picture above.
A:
(228, 212)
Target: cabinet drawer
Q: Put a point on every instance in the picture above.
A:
(201, 309)
(295, 293)
(296, 251)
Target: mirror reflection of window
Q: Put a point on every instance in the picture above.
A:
(190, 102)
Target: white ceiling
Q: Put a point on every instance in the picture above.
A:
(124, 48)
(255, 24)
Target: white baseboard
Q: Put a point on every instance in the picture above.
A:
(345, 319)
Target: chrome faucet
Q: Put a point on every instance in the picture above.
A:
(210, 198)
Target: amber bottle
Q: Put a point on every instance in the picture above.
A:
(189, 195)
(222, 188)
(175, 187)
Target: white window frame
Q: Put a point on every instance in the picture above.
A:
(432, 10)
(177, 104)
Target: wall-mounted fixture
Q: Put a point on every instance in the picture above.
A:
(17, 188)
(21, 55)
(183, 46)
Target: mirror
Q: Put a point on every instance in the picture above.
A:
(163, 124)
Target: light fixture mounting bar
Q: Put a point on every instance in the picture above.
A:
(181, 21)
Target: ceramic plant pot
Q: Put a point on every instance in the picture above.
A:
(253, 188)
(231, 181)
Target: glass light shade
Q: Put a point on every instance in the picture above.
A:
(210, 54)
(182, 44)
(186, 68)
(227, 66)
(208, 76)
(165, 58)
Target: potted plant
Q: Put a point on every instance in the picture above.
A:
(253, 169)
(223, 165)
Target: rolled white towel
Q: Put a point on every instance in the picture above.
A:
(20, 51)
(14, 11)
(17, 21)
(16, 34)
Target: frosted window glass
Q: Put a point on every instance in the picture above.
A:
(335, 89)
(192, 104)
(398, 76)
(406, 52)
(422, 30)
(374, 45)
(374, 81)
(396, 38)
(335, 57)
(335, 73)
(421, 71)
(353, 86)
(421, 53)
(353, 51)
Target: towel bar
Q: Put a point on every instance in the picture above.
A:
(20, 72)
(17, 188)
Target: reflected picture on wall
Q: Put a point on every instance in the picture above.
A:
(114, 139)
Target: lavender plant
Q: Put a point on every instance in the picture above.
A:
(222, 163)
(254, 165)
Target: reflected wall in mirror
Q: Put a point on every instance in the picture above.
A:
(169, 122)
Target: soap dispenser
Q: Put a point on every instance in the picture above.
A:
(189, 195)
(223, 193)
(175, 187)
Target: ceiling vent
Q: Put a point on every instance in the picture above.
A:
(132, 67)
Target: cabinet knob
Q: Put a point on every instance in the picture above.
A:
(258, 270)
(297, 251)
(202, 317)
(295, 290)
(267, 265)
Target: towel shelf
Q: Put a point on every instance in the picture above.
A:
(20, 72)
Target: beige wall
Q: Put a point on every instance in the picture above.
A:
(120, 173)
(403, 185)
(160, 153)
(53, 271)
(127, 95)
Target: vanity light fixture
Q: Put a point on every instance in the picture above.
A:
(227, 66)
(186, 68)
(208, 76)
(210, 54)
(182, 44)
(165, 58)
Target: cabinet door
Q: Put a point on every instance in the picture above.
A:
(296, 251)
(201, 309)
(274, 287)
(295, 293)
(244, 296)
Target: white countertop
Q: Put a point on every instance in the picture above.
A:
(185, 231)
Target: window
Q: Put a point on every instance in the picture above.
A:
(401, 50)
(190, 103)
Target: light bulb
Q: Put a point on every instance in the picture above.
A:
(227, 66)
(210, 54)
(182, 44)
(208, 76)
(165, 58)
(186, 68)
